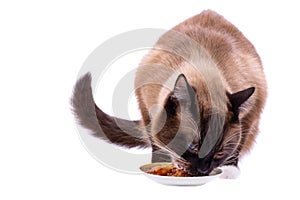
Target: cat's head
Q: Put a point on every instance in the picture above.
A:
(197, 137)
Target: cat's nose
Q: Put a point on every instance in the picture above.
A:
(203, 172)
(195, 172)
(199, 171)
(204, 168)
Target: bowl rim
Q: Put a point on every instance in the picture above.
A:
(218, 172)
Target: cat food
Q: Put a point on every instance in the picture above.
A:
(169, 171)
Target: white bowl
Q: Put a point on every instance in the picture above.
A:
(179, 181)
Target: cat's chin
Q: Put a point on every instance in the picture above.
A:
(230, 172)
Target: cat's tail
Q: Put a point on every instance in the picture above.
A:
(114, 130)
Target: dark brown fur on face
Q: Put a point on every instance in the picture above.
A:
(201, 91)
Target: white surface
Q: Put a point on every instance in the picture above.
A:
(42, 47)
(178, 181)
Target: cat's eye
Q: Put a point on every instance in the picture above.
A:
(194, 148)
(219, 155)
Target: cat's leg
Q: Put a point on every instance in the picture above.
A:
(158, 155)
(233, 161)
(250, 131)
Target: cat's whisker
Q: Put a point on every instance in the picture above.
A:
(235, 155)
(229, 148)
(194, 128)
(231, 143)
(236, 134)
(233, 135)
(169, 151)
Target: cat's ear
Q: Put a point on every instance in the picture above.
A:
(238, 98)
(183, 96)
(183, 92)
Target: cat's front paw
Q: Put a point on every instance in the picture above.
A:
(230, 172)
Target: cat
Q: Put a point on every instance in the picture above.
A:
(201, 90)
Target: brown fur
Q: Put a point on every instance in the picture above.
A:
(235, 57)
(211, 64)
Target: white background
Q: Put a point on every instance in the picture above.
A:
(42, 47)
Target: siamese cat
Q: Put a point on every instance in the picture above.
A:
(201, 90)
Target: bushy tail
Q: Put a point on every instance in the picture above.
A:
(114, 130)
